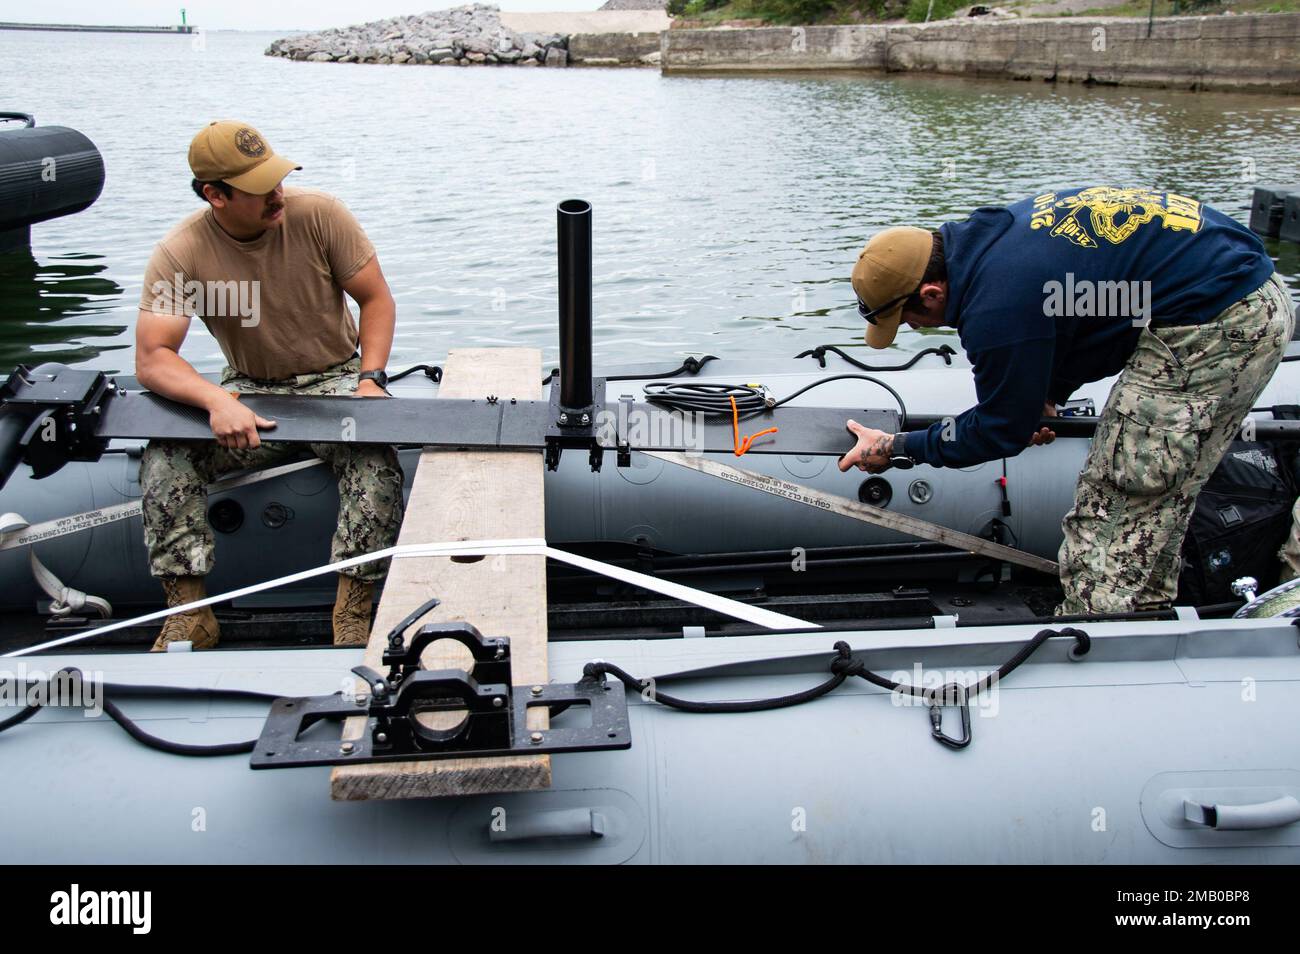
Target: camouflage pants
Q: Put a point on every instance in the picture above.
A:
(1289, 555)
(174, 476)
(1179, 402)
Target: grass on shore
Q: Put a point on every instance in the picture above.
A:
(1165, 8)
(712, 13)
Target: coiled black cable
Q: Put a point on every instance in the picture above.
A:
(751, 399)
(706, 398)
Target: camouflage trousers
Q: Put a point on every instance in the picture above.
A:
(1179, 402)
(1289, 555)
(174, 476)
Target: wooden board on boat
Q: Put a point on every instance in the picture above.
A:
(468, 495)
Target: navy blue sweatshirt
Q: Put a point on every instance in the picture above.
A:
(1052, 292)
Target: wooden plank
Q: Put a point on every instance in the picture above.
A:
(468, 495)
(833, 503)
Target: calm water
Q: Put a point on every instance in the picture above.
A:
(728, 211)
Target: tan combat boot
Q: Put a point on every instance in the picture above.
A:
(197, 626)
(352, 612)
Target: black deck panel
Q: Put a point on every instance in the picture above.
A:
(326, 419)
(457, 423)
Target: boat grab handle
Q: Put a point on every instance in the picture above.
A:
(1272, 814)
(534, 826)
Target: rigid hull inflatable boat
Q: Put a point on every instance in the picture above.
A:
(840, 690)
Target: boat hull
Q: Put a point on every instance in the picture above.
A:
(1071, 762)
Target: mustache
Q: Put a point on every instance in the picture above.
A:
(272, 209)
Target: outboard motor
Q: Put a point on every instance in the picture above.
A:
(44, 173)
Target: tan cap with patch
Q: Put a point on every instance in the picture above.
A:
(236, 154)
(889, 270)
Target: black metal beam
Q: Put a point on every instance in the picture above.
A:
(503, 423)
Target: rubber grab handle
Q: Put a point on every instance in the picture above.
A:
(1277, 813)
(534, 826)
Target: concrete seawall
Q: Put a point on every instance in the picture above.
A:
(614, 49)
(1220, 52)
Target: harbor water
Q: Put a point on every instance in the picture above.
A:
(728, 210)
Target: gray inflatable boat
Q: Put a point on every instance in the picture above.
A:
(734, 676)
(1169, 740)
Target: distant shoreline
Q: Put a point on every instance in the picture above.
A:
(91, 28)
(1254, 52)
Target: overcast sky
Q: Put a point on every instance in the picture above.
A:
(247, 14)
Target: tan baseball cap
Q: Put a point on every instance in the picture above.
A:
(236, 154)
(889, 270)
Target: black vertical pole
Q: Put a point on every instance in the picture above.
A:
(574, 226)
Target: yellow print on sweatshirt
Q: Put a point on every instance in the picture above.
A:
(1107, 214)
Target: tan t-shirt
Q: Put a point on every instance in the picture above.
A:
(275, 304)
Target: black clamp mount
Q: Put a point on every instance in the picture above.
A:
(49, 417)
(574, 427)
(495, 718)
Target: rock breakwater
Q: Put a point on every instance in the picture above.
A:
(462, 36)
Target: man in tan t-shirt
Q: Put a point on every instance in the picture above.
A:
(266, 269)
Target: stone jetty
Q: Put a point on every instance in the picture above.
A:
(462, 36)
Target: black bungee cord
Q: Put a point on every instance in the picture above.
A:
(944, 351)
(133, 729)
(842, 666)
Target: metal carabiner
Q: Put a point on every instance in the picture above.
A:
(936, 715)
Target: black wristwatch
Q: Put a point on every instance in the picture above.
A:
(379, 377)
(898, 455)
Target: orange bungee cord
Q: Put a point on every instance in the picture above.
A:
(742, 445)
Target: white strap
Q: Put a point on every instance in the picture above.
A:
(64, 600)
(528, 547)
(854, 510)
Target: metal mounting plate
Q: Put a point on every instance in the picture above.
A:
(280, 745)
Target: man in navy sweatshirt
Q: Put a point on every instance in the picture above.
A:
(1070, 287)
